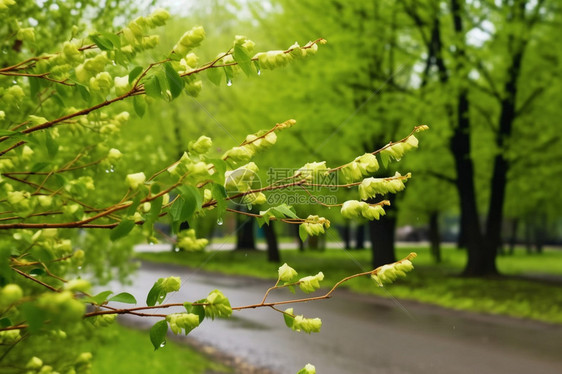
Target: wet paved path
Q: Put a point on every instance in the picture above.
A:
(362, 334)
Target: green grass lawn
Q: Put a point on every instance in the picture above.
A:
(120, 350)
(430, 283)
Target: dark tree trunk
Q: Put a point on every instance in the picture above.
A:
(461, 239)
(501, 166)
(245, 232)
(382, 234)
(513, 235)
(295, 229)
(470, 225)
(314, 242)
(434, 236)
(273, 254)
(360, 236)
(540, 233)
(528, 236)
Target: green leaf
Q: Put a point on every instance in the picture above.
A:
(102, 42)
(156, 294)
(132, 209)
(385, 159)
(61, 90)
(99, 299)
(302, 233)
(286, 210)
(196, 309)
(219, 194)
(42, 254)
(51, 144)
(33, 315)
(214, 75)
(114, 39)
(228, 74)
(155, 208)
(176, 209)
(8, 133)
(152, 87)
(59, 180)
(5, 322)
(174, 80)
(123, 228)
(34, 86)
(243, 59)
(134, 73)
(257, 66)
(39, 166)
(158, 334)
(192, 200)
(220, 169)
(288, 320)
(59, 100)
(140, 105)
(37, 272)
(218, 305)
(83, 91)
(262, 220)
(124, 297)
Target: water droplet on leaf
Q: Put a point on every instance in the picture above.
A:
(249, 206)
(229, 83)
(162, 344)
(176, 249)
(259, 72)
(219, 221)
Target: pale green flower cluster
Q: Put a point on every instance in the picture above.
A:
(311, 283)
(134, 33)
(103, 320)
(170, 284)
(275, 59)
(312, 171)
(371, 187)
(134, 181)
(360, 209)
(362, 166)
(299, 323)
(218, 305)
(201, 145)
(314, 225)
(241, 179)
(9, 336)
(189, 242)
(191, 39)
(307, 369)
(78, 285)
(185, 321)
(397, 150)
(254, 198)
(10, 294)
(287, 273)
(196, 169)
(389, 273)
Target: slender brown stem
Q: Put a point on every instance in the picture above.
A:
(35, 280)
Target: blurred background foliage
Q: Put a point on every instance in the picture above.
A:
(481, 74)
